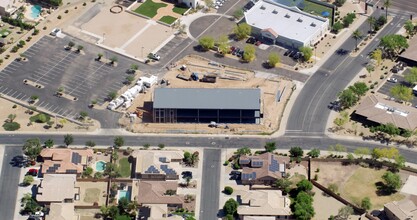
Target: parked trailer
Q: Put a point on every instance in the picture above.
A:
(183, 77)
(208, 79)
(116, 103)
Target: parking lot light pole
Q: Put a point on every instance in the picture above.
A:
(142, 53)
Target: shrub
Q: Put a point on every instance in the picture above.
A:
(11, 126)
(59, 17)
(66, 11)
(40, 118)
(339, 3)
(228, 190)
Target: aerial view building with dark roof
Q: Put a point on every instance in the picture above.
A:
(195, 105)
(262, 169)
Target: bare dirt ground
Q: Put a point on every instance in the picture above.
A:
(269, 85)
(6, 108)
(325, 205)
(331, 172)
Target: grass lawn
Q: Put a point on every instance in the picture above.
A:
(362, 184)
(168, 19)
(91, 195)
(316, 9)
(149, 8)
(4, 32)
(179, 10)
(124, 167)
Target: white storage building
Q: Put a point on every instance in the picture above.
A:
(285, 26)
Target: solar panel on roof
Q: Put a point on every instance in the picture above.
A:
(163, 159)
(274, 166)
(76, 158)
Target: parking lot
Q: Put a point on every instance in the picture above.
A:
(81, 76)
(385, 89)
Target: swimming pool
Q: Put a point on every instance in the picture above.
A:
(124, 194)
(35, 11)
(100, 166)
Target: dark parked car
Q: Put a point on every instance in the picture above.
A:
(292, 53)
(251, 40)
(186, 174)
(287, 52)
(32, 172)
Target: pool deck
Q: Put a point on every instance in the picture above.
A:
(28, 13)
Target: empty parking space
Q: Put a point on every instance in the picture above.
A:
(79, 74)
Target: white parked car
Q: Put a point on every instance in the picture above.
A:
(55, 31)
(392, 79)
(154, 56)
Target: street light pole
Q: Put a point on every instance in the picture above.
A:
(142, 53)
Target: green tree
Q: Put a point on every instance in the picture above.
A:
(359, 88)
(348, 19)
(339, 3)
(223, 44)
(337, 27)
(304, 185)
(230, 207)
(90, 143)
(333, 187)
(362, 151)
(32, 148)
(387, 4)
(412, 76)
(409, 27)
(274, 59)
(377, 55)
(118, 142)
(296, 152)
(249, 53)
(392, 181)
(347, 98)
(83, 115)
(112, 170)
(130, 79)
(88, 172)
(49, 143)
(366, 203)
(27, 180)
(344, 213)
(399, 162)
(243, 151)
(242, 31)
(113, 60)
(270, 147)
(187, 157)
(342, 120)
(357, 35)
(307, 53)
(161, 146)
(303, 208)
(371, 21)
(11, 117)
(206, 42)
(112, 95)
(80, 48)
(71, 44)
(238, 14)
(283, 184)
(402, 93)
(68, 139)
(393, 44)
(314, 153)
(228, 190)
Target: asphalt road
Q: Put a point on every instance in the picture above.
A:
(310, 113)
(9, 183)
(210, 187)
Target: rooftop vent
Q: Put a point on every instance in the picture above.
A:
(263, 7)
(275, 12)
(287, 16)
(300, 20)
(312, 24)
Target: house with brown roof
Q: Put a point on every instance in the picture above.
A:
(402, 210)
(155, 192)
(156, 212)
(61, 211)
(57, 188)
(382, 111)
(65, 161)
(263, 204)
(157, 165)
(262, 169)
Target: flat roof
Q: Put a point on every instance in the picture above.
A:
(411, 52)
(199, 98)
(289, 22)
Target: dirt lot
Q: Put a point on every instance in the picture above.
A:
(6, 108)
(91, 192)
(269, 85)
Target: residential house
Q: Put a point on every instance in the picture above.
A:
(382, 111)
(156, 212)
(263, 204)
(262, 169)
(157, 165)
(65, 161)
(61, 211)
(402, 210)
(155, 192)
(57, 188)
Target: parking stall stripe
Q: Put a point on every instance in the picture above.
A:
(5, 88)
(12, 95)
(55, 109)
(17, 97)
(9, 91)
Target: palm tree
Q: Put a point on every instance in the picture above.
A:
(356, 35)
(11, 117)
(387, 4)
(371, 20)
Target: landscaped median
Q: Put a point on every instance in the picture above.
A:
(149, 8)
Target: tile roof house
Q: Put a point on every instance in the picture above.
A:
(156, 212)
(61, 211)
(261, 204)
(402, 210)
(65, 161)
(157, 165)
(57, 188)
(154, 192)
(383, 111)
(262, 169)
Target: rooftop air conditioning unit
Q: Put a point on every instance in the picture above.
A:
(263, 7)
(312, 24)
(275, 12)
(287, 16)
(300, 20)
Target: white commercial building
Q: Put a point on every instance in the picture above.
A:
(286, 26)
